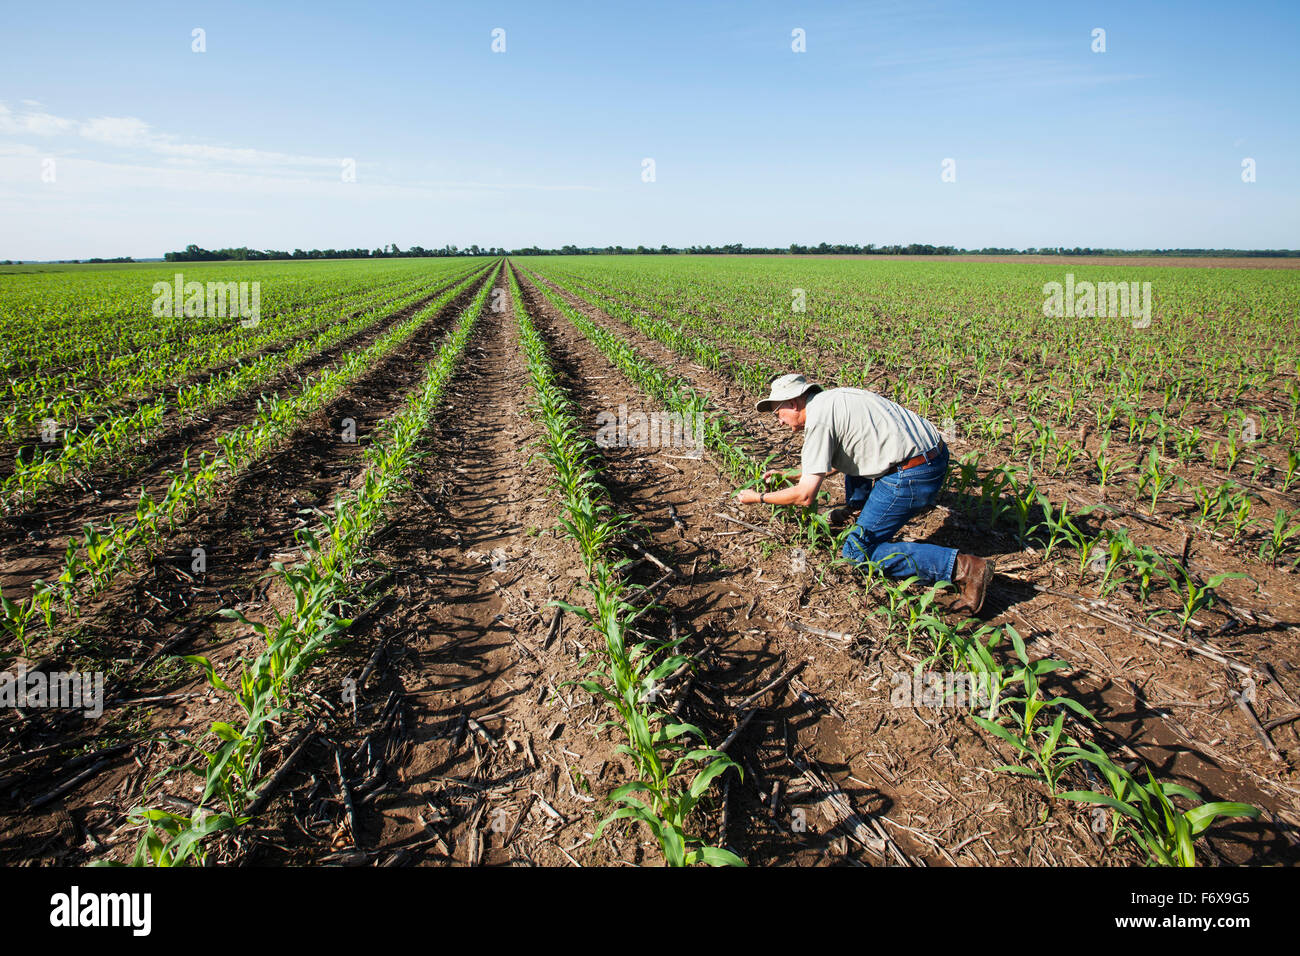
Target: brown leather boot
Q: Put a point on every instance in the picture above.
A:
(973, 575)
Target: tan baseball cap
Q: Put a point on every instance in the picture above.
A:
(784, 388)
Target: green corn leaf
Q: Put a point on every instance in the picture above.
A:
(715, 856)
(1088, 796)
(1199, 818)
(705, 776)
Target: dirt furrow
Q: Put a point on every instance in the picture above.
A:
(497, 759)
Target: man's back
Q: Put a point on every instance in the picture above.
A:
(861, 433)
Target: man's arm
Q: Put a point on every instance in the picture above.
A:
(791, 474)
(803, 494)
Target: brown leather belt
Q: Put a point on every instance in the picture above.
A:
(929, 456)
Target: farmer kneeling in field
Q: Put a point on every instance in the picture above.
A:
(894, 462)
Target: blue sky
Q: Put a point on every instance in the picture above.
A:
(155, 146)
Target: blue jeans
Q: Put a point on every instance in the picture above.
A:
(887, 504)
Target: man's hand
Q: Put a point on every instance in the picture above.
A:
(804, 493)
(773, 472)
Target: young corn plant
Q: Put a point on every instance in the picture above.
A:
(1152, 481)
(918, 610)
(1232, 451)
(896, 607)
(1059, 524)
(1279, 540)
(17, 618)
(1193, 595)
(1108, 468)
(1040, 745)
(965, 478)
(173, 839)
(1147, 565)
(103, 555)
(1085, 546)
(1116, 549)
(1292, 468)
(1021, 506)
(657, 746)
(991, 493)
(980, 661)
(230, 774)
(1146, 814)
(1188, 445)
(1241, 513)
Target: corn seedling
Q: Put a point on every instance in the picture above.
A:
(1145, 812)
(1193, 596)
(1280, 535)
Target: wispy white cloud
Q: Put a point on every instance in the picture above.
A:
(33, 121)
(130, 133)
(122, 131)
(127, 144)
(80, 180)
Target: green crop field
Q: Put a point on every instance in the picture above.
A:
(349, 545)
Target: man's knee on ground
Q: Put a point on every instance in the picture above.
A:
(858, 546)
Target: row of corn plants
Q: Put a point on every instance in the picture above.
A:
(78, 338)
(90, 565)
(323, 594)
(1016, 711)
(662, 749)
(75, 392)
(116, 434)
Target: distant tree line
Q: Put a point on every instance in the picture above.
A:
(18, 262)
(194, 253)
(737, 249)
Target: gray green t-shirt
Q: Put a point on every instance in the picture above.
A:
(861, 433)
